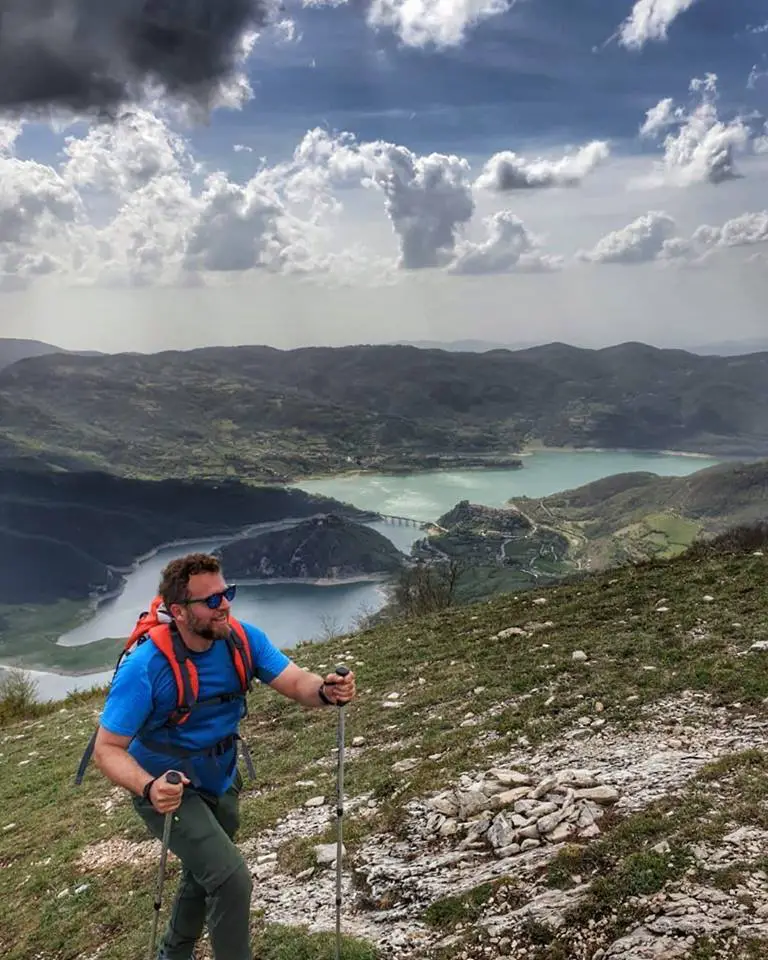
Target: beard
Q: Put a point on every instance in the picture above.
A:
(210, 629)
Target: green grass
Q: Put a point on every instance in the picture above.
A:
(612, 617)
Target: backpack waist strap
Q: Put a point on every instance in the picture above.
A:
(218, 749)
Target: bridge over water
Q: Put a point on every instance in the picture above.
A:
(408, 521)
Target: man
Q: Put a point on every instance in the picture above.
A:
(133, 731)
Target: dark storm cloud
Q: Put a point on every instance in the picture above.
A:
(93, 55)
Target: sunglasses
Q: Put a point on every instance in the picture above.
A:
(213, 602)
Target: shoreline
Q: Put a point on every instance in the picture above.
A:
(314, 582)
(529, 450)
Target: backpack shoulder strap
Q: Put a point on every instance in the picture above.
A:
(168, 641)
(240, 651)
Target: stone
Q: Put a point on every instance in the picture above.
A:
(403, 766)
(578, 656)
(510, 777)
(444, 803)
(325, 853)
(509, 797)
(314, 802)
(471, 802)
(601, 794)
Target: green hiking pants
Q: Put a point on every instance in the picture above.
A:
(216, 884)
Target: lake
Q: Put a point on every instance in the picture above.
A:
(290, 613)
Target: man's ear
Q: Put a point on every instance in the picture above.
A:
(177, 611)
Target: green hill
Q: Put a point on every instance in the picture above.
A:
(636, 515)
(579, 773)
(257, 412)
(328, 548)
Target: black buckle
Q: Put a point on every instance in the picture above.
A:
(223, 746)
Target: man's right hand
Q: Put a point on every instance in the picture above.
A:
(166, 797)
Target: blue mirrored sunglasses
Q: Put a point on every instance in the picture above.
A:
(213, 602)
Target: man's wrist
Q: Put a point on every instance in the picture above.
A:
(147, 788)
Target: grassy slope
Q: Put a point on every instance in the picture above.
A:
(612, 617)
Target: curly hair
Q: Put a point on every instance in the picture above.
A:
(174, 580)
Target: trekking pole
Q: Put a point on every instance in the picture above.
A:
(342, 672)
(171, 777)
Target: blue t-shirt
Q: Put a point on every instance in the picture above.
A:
(143, 695)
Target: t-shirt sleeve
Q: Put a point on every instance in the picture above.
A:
(129, 700)
(268, 660)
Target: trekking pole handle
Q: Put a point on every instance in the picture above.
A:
(173, 777)
(342, 671)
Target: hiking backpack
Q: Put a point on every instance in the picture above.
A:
(158, 626)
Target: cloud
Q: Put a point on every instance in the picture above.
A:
(428, 199)
(703, 148)
(654, 237)
(127, 155)
(648, 238)
(746, 230)
(509, 246)
(508, 171)
(96, 57)
(650, 20)
(442, 23)
(10, 131)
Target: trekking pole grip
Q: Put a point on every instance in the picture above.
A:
(173, 777)
(341, 671)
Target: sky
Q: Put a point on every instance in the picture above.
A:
(368, 171)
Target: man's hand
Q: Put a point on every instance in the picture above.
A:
(340, 690)
(166, 797)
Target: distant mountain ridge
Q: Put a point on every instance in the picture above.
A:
(266, 414)
(13, 349)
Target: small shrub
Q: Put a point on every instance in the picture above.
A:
(745, 538)
(18, 696)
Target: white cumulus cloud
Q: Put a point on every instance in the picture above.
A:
(702, 148)
(442, 23)
(648, 238)
(509, 246)
(507, 171)
(746, 230)
(650, 20)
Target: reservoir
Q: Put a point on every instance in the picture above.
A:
(290, 613)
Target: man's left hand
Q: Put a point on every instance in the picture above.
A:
(340, 690)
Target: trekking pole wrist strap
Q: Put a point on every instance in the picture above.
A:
(148, 787)
(323, 697)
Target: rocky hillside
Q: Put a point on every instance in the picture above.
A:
(269, 414)
(322, 548)
(575, 774)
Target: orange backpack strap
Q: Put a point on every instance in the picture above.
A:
(168, 641)
(240, 650)
(155, 616)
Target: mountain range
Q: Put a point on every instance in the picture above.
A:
(264, 414)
